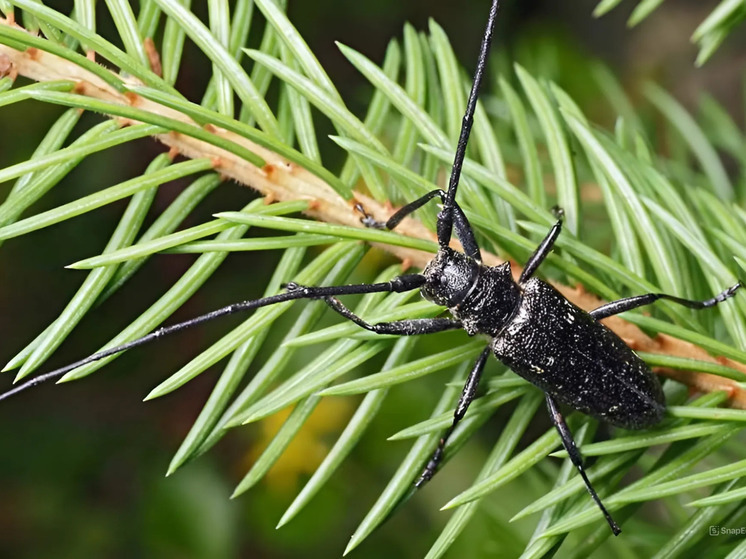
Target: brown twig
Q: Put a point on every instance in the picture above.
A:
(282, 180)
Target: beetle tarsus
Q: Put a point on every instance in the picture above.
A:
(368, 220)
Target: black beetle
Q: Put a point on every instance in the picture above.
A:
(532, 328)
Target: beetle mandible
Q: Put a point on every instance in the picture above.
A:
(565, 351)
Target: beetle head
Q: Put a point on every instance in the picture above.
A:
(450, 276)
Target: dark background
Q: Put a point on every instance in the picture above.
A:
(82, 465)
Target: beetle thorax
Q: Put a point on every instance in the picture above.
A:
(483, 298)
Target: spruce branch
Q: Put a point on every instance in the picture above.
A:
(279, 180)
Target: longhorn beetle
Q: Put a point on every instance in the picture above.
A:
(540, 335)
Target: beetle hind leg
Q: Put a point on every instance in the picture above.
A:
(572, 450)
(622, 305)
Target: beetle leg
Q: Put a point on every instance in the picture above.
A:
(398, 327)
(622, 305)
(467, 397)
(460, 223)
(403, 212)
(572, 450)
(542, 251)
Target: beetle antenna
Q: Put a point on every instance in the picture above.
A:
(445, 218)
(294, 291)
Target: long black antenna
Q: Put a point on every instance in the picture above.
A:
(399, 284)
(445, 219)
(403, 283)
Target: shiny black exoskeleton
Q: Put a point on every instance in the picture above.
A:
(534, 330)
(547, 340)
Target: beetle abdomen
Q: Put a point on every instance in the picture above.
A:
(564, 351)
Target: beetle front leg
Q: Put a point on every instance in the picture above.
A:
(398, 327)
(467, 397)
(572, 450)
(463, 228)
(404, 211)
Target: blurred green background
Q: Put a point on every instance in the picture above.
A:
(82, 465)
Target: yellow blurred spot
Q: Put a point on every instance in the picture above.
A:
(307, 449)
